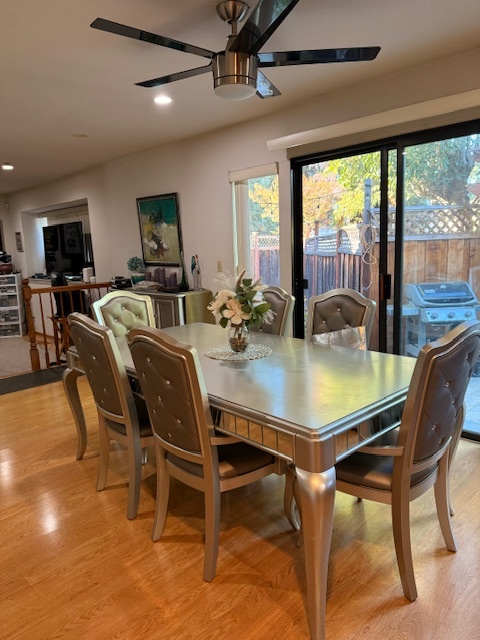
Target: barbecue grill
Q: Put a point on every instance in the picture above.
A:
(439, 306)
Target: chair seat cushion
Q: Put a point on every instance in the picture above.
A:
(233, 460)
(373, 472)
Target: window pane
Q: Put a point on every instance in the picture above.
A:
(264, 229)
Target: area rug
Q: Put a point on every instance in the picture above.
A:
(29, 380)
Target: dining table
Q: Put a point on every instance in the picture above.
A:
(306, 403)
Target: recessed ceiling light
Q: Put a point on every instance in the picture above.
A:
(162, 100)
(79, 135)
(7, 166)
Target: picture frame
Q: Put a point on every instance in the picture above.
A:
(160, 230)
(19, 241)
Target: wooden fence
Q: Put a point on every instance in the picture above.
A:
(265, 256)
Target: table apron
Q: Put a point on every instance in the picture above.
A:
(311, 450)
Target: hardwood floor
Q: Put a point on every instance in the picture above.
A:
(73, 567)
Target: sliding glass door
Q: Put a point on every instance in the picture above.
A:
(398, 221)
(441, 247)
(337, 243)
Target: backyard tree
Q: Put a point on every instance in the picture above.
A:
(264, 211)
(438, 172)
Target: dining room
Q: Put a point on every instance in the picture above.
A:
(341, 186)
(74, 566)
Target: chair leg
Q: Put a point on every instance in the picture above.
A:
(134, 478)
(212, 529)
(163, 491)
(403, 547)
(453, 449)
(290, 499)
(443, 504)
(104, 455)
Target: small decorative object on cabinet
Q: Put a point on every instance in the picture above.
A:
(12, 317)
(197, 278)
(137, 268)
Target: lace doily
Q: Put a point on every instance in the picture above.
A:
(252, 352)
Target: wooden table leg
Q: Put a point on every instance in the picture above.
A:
(317, 496)
(70, 377)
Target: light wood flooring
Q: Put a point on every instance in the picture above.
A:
(73, 567)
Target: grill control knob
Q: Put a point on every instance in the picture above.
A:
(434, 315)
(468, 314)
(451, 314)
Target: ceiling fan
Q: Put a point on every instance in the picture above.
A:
(236, 71)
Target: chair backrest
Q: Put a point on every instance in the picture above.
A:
(121, 311)
(436, 395)
(175, 394)
(281, 303)
(339, 309)
(104, 368)
(67, 301)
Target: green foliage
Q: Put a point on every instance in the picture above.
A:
(263, 201)
(436, 173)
(135, 264)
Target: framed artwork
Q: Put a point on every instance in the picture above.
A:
(19, 241)
(160, 230)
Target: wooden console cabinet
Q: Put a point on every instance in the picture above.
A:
(173, 309)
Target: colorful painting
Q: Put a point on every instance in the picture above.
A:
(160, 230)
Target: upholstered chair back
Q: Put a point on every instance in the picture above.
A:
(175, 394)
(121, 311)
(401, 465)
(103, 367)
(281, 303)
(437, 391)
(122, 414)
(186, 444)
(339, 309)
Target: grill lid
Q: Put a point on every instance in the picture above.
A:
(429, 294)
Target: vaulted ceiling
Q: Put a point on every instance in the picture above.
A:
(68, 99)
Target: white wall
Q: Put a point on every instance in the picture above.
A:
(197, 169)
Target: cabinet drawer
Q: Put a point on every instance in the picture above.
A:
(11, 315)
(8, 300)
(4, 280)
(8, 330)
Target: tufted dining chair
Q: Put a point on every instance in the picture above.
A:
(397, 472)
(281, 303)
(338, 311)
(121, 311)
(122, 415)
(186, 444)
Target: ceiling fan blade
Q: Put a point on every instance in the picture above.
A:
(157, 82)
(265, 89)
(317, 56)
(145, 36)
(267, 16)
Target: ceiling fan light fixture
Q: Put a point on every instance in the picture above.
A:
(234, 91)
(234, 75)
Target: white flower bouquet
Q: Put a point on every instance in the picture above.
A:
(242, 304)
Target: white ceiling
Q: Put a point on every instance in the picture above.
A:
(60, 78)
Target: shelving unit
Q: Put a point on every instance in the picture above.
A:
(12, 314)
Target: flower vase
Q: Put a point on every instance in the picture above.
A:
(137, 277)
(238, 337)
